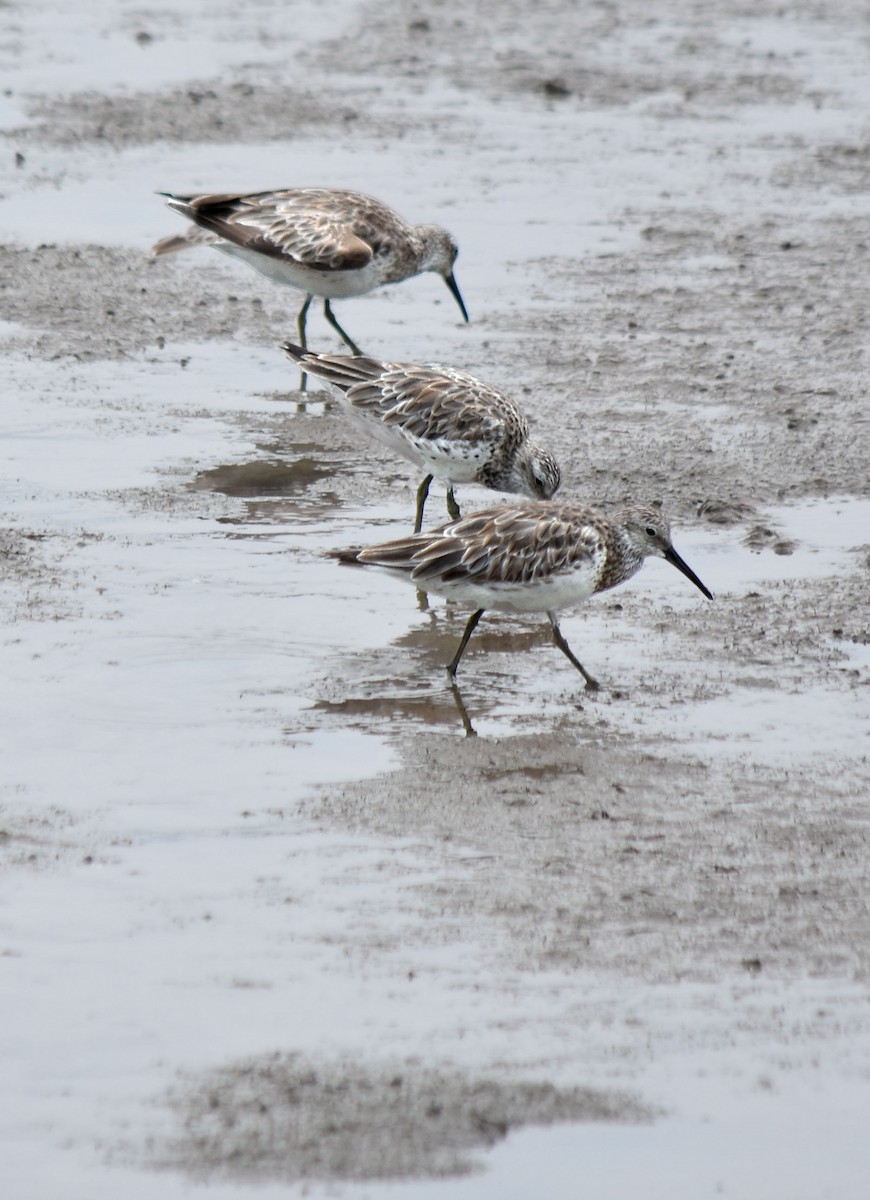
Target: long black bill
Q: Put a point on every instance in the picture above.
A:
(672, 557)
(451, 283)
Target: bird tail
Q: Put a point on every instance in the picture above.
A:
(349, 557)
(340, 370)
(196, 235)
(183, 241)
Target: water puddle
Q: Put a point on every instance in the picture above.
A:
(202, 710)
(808, 1153)
(128, 48)
(255, 480)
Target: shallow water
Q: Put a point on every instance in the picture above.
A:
(174, 718)
(226, 828)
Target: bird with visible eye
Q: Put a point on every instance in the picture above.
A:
(534, 556)
(325, 242)
(450, 424)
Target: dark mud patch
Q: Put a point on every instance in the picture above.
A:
(724, 363)
(99, 302)
(35, 837)
(36, 580)
(17, 553)
(845, 165)
(206, 111)
(31, 840)
(283, 1118)
(256, 105)
(263, 477)
(572, 56)
(272, 490)
(644, 860)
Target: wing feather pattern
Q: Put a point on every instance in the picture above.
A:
(319, 228)
(427, 402)
(513, 545)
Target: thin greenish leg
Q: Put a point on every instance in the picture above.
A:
(422, 493)
(592, 685)
(300, 329)
(452, 506)
(469, 630)
(470, 731)
(348, 341)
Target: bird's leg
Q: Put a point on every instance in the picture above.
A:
(452, 506)
(422, 493)
(470, 731)
(592, 685)
(469, 630)
(330, 316)
(300, 329)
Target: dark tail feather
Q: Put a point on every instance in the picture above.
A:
(337, 369)
(349, 557)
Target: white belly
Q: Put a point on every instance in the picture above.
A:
(556, 593)
(450, 461)
(329, 284)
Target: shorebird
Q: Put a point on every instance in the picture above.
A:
(537, 556)
(447, 422)
(323, 241)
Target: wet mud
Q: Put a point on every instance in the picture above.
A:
(289, 1120)
(701, 342)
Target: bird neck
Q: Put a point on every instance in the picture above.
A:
(622, 557)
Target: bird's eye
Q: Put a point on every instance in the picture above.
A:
(651, 532)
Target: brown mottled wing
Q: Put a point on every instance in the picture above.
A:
(435, 403)
(373, 222)
(513, 544)
(430, 402)
(314, 240)
(283, 225)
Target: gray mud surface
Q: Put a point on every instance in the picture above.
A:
(715, 359)
(286, 1119)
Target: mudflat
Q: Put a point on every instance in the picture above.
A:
(269, 912)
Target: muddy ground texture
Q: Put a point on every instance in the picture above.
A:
(719, 366)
